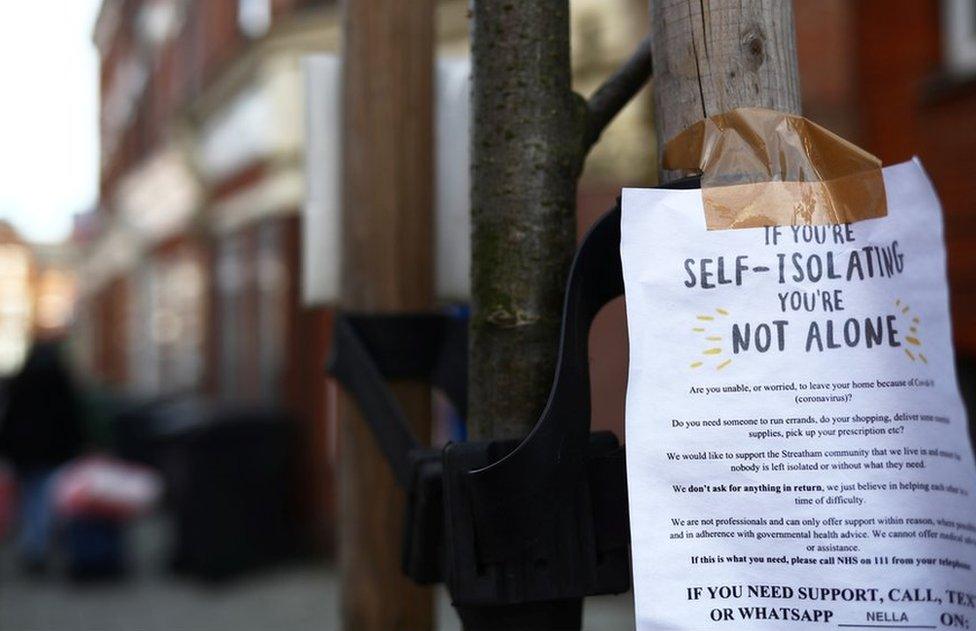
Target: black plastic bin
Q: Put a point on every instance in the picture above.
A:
(231, 476)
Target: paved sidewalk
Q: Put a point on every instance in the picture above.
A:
(303, 598)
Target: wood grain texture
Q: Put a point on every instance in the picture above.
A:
(712, 56)
(387, 245)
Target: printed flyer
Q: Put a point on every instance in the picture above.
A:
(797, 448)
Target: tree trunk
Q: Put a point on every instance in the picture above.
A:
(387, 202)
(712, 56)
(526, 139)
(530, 136)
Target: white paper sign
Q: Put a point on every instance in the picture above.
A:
(797, 449)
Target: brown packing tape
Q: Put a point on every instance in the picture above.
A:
(761, 168)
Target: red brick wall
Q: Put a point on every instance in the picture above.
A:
(947, 145)
(825, 42)
(897, 44)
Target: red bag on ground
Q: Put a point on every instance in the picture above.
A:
(101, 487)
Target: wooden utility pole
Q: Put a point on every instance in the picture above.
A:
(712, 56)
(387, 245)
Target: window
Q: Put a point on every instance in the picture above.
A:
(959, 35)
(272, 285)
(231, 280)
(179, 321)
(254, 17)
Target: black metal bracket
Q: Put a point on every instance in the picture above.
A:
(366, 351)
(508, 525)
(546, 519)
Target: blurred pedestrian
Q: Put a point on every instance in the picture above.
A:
(40, 430)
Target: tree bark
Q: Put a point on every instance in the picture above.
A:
(526, 139)
(387, 204)
(712, 56)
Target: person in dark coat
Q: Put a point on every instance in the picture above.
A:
(41, 429)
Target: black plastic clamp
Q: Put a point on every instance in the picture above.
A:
(519, 530)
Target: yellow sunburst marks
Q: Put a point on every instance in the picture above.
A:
(914, 349)
(709, 326)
